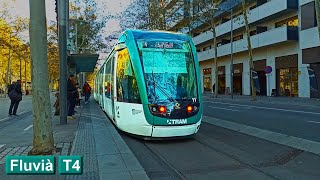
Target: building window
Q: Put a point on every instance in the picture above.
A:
(291, 22)
(127, 87)
(308, 16)
(252, 33)
(207, 48)
(237, 38)
(207, 82)
(252, 7)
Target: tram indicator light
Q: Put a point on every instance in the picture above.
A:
(189, 109)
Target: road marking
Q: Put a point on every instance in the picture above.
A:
(224, 108)
(27, 128)
(240, 107)
(284, 139)
(317, 122)
(259, 107)
(7, 118)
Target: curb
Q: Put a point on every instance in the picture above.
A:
(283, 139)
(2, 147)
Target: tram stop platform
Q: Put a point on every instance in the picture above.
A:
(91, 135)
(105, 154)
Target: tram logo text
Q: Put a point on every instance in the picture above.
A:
(177, 121)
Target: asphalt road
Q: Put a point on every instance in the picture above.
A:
(17, 130)
(301, 121)
(218, 153)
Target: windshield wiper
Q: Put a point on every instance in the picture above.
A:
(161, 89)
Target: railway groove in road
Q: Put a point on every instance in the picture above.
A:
(174, 173)
(248, 165)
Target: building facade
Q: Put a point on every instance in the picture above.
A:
(284, 38)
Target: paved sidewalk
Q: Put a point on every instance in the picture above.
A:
(105, 154)
(266, 99)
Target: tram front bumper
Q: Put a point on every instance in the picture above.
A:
(175, 131)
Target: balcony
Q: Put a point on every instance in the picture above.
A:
(264, 11)
(309, 38)
(271, 37)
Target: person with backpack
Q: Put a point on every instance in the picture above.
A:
(87, 92)
(15, 95)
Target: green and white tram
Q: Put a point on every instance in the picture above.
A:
(149, 85)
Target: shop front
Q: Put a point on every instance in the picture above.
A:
(237, 78)
(221, 80)
(287, 75)
(312, 56)
(207, 80)
(260, 67)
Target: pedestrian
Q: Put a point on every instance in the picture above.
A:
(87, 92)
(72, 93)
(78, 99)
(15, 95)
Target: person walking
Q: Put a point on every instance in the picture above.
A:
(87, 92)
(72, 94)
(15, 95)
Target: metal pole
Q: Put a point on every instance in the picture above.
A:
(231, 53)
(20, 69)
(62, 60)
(76, 41)
(25, 76)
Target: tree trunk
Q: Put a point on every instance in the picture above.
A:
(253, 88)
(8, 68)
(42, 126)
(317, 6)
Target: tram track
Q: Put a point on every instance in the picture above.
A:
(212, 153)
(171, 170)
(248, 165)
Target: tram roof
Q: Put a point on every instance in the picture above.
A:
(141, 34)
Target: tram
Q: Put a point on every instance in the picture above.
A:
(149, 85)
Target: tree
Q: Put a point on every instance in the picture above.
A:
(136, 16)
(85, 25)
(42, 131)
(206, 16)
(317, 6)
(13, 49)
(245, 16)
(157, 15)
(53, 54)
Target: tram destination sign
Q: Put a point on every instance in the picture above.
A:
(162, 45)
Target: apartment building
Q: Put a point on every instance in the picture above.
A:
(284, 38)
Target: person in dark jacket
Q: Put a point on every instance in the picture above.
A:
(72, 94)
(14, 102)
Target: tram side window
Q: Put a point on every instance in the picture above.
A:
(127, 87)
(107, 83)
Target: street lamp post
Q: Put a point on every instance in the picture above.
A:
(231, 56)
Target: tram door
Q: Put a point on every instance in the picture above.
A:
(112, 84)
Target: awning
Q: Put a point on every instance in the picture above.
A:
(83, 62)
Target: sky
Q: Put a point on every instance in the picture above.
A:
(20, 8)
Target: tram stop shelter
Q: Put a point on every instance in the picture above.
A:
(82, 62)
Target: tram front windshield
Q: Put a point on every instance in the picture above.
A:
(169, 70)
